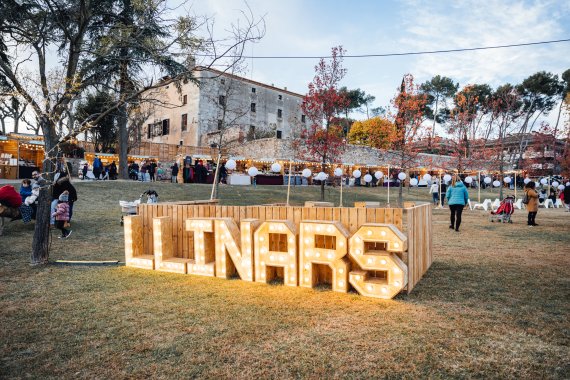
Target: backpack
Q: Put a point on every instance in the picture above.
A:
(526, 198)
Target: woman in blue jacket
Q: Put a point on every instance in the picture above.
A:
(457, 198)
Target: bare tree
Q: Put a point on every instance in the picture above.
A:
(82, 35)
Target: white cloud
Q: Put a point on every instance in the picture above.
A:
(474, 24)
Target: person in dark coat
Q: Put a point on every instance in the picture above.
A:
(84, 171)
(223, 174)
(113, 170)
(174, 169)
(152, 171)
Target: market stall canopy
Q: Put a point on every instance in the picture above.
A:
(206, 157)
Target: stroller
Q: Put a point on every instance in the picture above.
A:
(505, 210)
(130, 208)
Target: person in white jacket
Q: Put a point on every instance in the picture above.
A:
(434, 191)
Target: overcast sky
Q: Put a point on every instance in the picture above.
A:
(311, 27)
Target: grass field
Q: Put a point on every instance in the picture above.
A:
(494, 304)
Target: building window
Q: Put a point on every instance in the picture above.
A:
(252, 107)
(222, 81)
(148, 131)
(165, 127)
(279, 134)
(184, 123)
(280, 97)
(184, 99)
(252, 130)
(302, 118)
(279, 113)
(219, 125)
(222, 100)
(253, 90)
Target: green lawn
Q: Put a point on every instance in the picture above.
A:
(493, 305)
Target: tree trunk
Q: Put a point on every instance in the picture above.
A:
(40, 242)
(124, 92)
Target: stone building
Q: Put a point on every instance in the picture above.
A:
(222, 108)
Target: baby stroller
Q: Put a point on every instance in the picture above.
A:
(504, 212)
(130, 208)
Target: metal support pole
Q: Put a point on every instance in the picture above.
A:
(215, 177)
(388, 185)
(479, 189)
(289, 182)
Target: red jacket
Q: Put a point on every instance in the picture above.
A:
(62, 212)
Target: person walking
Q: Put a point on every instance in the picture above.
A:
(61, 214)
(97, 167)
(566, 194)
(434, 191)
(457, 198)
(174, 168)
(531, 196)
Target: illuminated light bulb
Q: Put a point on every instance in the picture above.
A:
(249, 273)
(262, 263)
(271, 258)
(384, 289)
(292, 278)
(281, 227)
(358, 278)
(307, 228)
(292, 265)
(396, 245)
(330, 255)
(307, 240)
(318, 228)
(223, 271)
(307, 266)
(396, 283)
(246, 227)
(330, 228)
(203, 258)
(318, 254)
(370, 288)
(341, 270)
(341, 283)
(227, 236)
(383, 262)
(263, 275)
(272, 227)
(341, 244)
(201, 246)
(246, 262)
(357, 251)
(261, 238)
(396, 271)
(307, 253)
(369, 232)
(281, 258)
(383, 233)
(247, 239)
(291, 240)
(369, 261)
(358, 239)
(306, 279)
(238, 255)
(263, 250)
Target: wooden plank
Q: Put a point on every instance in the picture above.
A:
(411, 248)
(361, 212)
(397, 220)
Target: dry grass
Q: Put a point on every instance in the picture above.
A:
(494, 304)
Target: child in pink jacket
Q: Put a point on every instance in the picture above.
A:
(62, 214)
